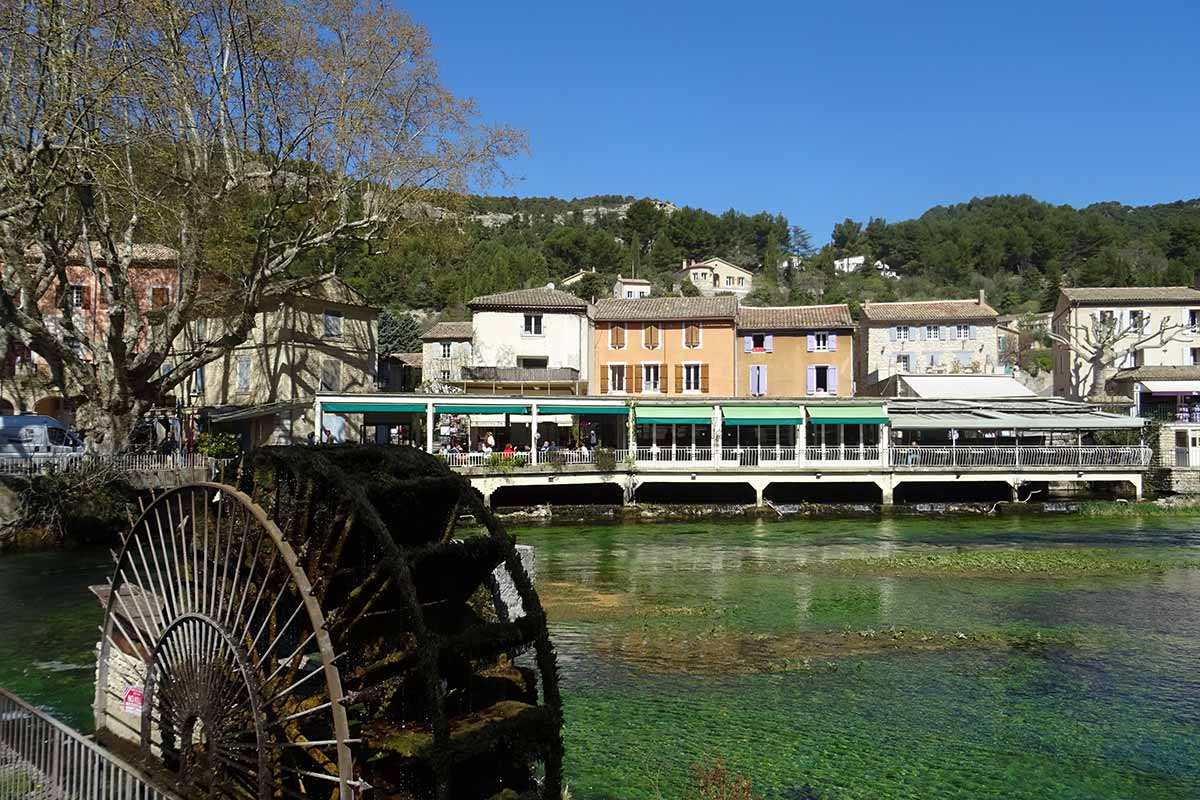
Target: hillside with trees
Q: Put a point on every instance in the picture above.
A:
(1018, 249)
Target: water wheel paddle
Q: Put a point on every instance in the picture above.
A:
(325, 630)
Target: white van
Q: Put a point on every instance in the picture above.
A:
(32, 436)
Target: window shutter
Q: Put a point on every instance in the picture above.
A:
(833, 342)
(85, 293)
(892, 333)
(637, 380)
(747, 344)
(812, 379)
(678, 378)
(704, 378)
(921, 331)
(912, 333)
(604, 381)
(770, 343)
(945, 331)
(833, 380)
(972, 331)
(762, 380)
(812, 341)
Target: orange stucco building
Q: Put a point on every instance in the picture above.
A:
(666, 346)
(795, 351)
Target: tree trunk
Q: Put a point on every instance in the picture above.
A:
(107, 427)
(1102, 372)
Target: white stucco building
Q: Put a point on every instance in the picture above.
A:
(930, 337)
(529, 339)
(630, 288)
(713, 276)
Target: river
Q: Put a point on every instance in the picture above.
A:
(684, 644)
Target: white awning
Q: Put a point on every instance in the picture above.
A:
(987, 420)
(966, 387)
(487, 420)
(1171, 387)
(561, 420)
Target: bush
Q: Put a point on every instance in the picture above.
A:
(219, 445)
(606, 459)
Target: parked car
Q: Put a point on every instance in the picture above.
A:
(33, 436)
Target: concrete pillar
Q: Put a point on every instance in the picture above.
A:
(717, 434)
(1137, 487)
(887, 491)
(758, 495)
(318, 419)
(1016, 491)
(631, 431)
(429, 427)
(533, 434)
(801, 444)
(885, 443)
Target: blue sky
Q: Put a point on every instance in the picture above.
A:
(828, 110)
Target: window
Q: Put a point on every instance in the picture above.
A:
(691, 377)
(650, 337)
(651, 378)
(821, 342)
(445, 375)
(533, 324)
(822, 379)
(198, 381)
(201, 331)
(616, 337)
(445, 349)
(962, 331)
(1194, 320)
(758, 342)
(1138, 320)
(243, 374)
(1195, 354)
(159, 296)
(901, 333)
(629, 293)
(691, 335)
(533, 362)
(758, 380)
(77, 296)
(741, 281)
(616, 378)
(933, 331)
(333, 325)
(331, 375)
(729, 280)
(903, 363)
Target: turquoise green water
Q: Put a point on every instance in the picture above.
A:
(681, 644)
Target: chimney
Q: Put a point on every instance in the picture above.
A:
(982, 297)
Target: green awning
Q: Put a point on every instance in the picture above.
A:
(763, 415)
(677, 415)
(622, 410)
(468, 408)
(847, 415)
(373, 408)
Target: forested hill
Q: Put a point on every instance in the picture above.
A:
(1018, 249)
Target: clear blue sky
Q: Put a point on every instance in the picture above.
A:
(836, 109)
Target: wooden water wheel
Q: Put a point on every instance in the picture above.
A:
(325, 629)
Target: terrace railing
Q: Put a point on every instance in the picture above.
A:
(520, 374)
(1025, 456)
(130, 463)
(41, 757)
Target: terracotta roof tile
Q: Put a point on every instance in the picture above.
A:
(1132, 294)
(1159, 373)
(544, 298)
(448, 330)
(649, 309)
(794, 317)
(928, 311)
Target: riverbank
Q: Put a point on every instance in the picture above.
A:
(683, 512)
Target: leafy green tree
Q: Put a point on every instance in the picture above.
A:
(399, 332)
(592, 286)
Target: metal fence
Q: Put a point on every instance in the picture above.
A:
(136, 462)
(926, 457)
(42, 758)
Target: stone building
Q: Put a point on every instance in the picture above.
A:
(714, 276)
(445, 349)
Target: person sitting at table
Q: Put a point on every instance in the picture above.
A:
(509, 449)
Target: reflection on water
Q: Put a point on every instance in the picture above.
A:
(684, 643)
(1026, 688)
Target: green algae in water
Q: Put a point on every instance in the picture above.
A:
(1048, 562)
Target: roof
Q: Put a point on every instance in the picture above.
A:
(141, 252)
(408, 359)
(544, 298)
(448, 330)
(326, 286)
(966, 387)
(1159, 373)
(651, 309)
(927, 311)
(621, 279)
(1132, 294)
(780, 318)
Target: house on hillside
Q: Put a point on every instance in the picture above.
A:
(529, 340)
(926, 337)
(630, 288)
(665, 346)
(795, 351)
(714, 276)
(153, 276)
(312, 334)
(856, 264)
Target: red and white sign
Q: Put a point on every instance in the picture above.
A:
(133, 701)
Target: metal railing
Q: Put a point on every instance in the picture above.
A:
(41, 757)
(134, 462)
(520, 374)
(927, 457)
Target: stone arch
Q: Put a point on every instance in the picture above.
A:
(6, 408)
(53, 406)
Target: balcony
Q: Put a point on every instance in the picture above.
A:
(521, 374)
